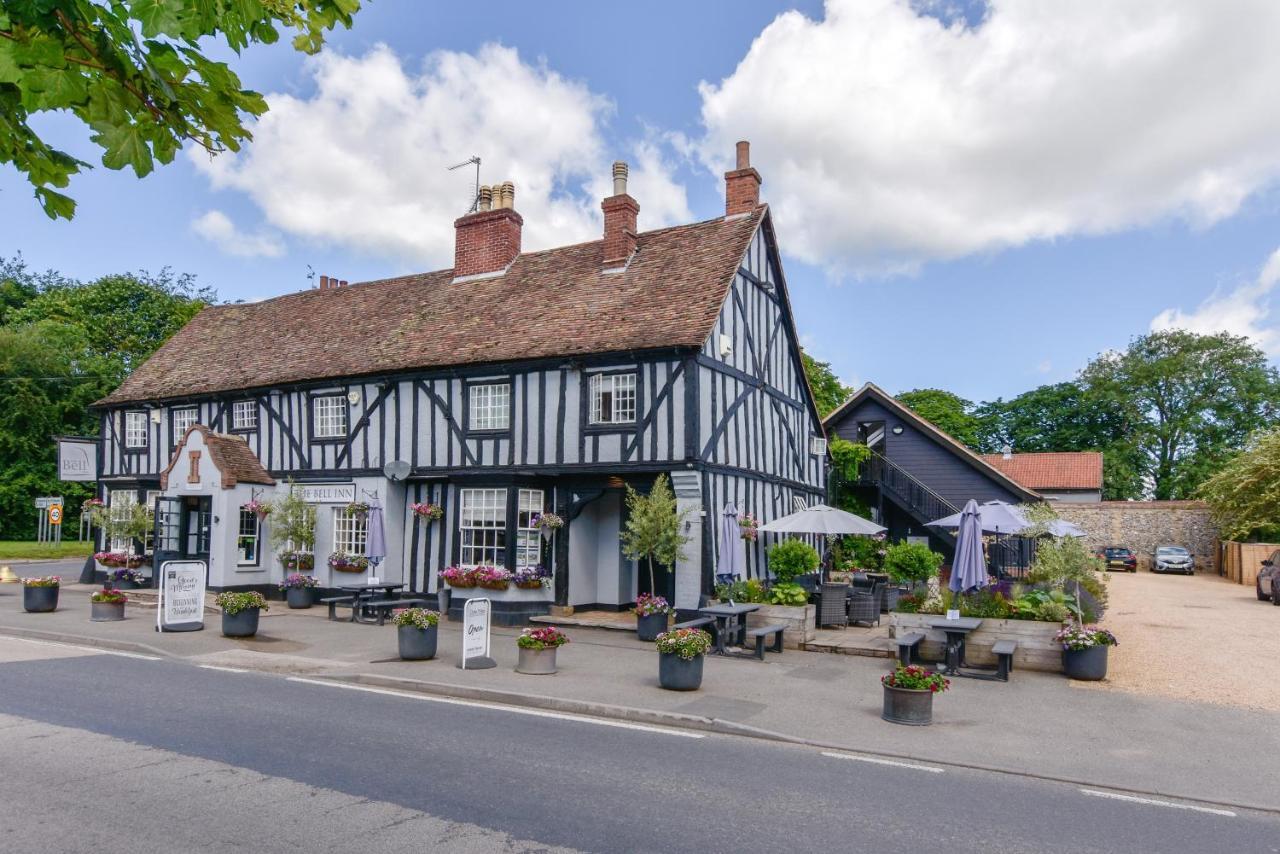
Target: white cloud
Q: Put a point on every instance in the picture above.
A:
(1045, 366)
(363, 161)
(887, 137)
(1244, 310)
(218, 229)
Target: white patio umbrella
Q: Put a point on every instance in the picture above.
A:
(821, 519)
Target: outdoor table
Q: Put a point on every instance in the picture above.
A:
(366, 591)
(729, 619)
(956, 631)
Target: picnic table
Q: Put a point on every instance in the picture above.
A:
(363, 593)
(730, 620)
(956, 632)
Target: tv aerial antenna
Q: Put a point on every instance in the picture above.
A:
(475, 195)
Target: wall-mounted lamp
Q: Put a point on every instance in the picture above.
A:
(897, 429)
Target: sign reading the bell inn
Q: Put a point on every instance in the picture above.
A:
(327, 493)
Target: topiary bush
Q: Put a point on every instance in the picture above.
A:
(790, 559)
(906, 562)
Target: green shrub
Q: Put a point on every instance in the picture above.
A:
(751, 590)
(861, 552)
(790, 559)
(788, 594)
(907, 562)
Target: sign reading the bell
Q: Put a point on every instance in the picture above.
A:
(77, 460)
(475, 635)
(327, 493)
(181, 606)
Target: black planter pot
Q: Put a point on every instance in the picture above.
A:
(679, 674)
(416, 644)
(1088, 665)
(243, 624)
(298, 597)
(906, 706)
(40, 600)
(106, 612)
(650, 626)
(124, 585)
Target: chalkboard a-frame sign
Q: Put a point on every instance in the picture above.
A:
(181, 607)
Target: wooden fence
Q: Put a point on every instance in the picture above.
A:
(1241, 561)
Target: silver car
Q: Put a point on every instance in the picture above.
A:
(1173, 559)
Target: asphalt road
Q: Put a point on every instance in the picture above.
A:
(107, 753)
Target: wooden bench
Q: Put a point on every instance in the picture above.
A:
(909, 648)
(1003, 650)
(335, 601)
(763, 632)
(384, 607)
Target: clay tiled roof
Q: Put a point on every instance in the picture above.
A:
(231, 454)
(1064, 470)
(549, 304)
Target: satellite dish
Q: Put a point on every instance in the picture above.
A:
(396, 470)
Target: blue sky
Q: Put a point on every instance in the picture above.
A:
(964, 201)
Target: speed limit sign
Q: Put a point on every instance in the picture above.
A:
(55, 514)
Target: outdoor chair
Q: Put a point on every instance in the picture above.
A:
(864, 605)
(831, 607)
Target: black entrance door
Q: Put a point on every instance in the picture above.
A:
(197, 527)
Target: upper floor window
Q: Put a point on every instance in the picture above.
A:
(182, 419)
(244, 415)
(490, 406)
(135, 429)
(613, 398)
(329, 417)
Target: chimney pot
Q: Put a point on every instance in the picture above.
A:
(619, 178)
(324, 283)
(485, 199)
(488, 240)
(744, 154)
(742, 185)
(620, 213)
(508, 195)
(343, 283)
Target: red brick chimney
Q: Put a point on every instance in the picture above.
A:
(327, 282)
(742, 185)
(620, 211)
(488, 240)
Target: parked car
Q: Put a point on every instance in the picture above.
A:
(1173, 559)
(1119, 558)
(1267, 583)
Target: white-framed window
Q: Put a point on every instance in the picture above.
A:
(135, 429)
(182, 420)
(350, 531)
(329, 416)
(528, 537)
(490, 406)
(244, 415)
(247, 535)
(613, 398)
(483, 527)
(119, 502)
(149, 541)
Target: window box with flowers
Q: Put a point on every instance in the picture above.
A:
(492, 577)
(908, 694)
(297, 590)
(359, 509)
(531, 577)
(343, 562)
(107, 606)
(680, 656)
(652, 615)
(456, 576)
(538, 647)
(427, 511)
(124, 560)
(40, 595)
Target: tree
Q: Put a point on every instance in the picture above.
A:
(828, 391)
(654, 529)
(947, 411)
(135, 74)
(1244, 494)
(1190, 402)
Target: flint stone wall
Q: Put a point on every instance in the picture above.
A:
(1143, 525)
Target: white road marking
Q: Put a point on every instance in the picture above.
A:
(1133, 799)
(90, 649)
(875, 760)
(223, 669)
(515, 710)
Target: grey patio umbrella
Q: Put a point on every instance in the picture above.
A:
(821, 519)
(375, 544)
(969, 569)
(995, 517)
(1063, 528)
(733, 549)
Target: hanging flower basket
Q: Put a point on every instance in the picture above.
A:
(492, 577)
(427, 510)
(456, 576)
(258, 508)
(547, 523)
(119, 560)
(358, 508)
(749, 526)
(343, 562)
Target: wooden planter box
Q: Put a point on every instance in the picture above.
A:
(800, 620)
(1037, 650)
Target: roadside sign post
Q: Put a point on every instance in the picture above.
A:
(49, 518)
(475, 635)
(181, 605)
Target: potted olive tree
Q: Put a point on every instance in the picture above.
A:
(240, 612)
(538, 647)
(293, 526)
(416, 633)
(40, 595)
(297, 589)
(652, 613)
(132, 523)
(680, 656)
(654, 528)
(107, 606)
(908, 694)
(1084, 651)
